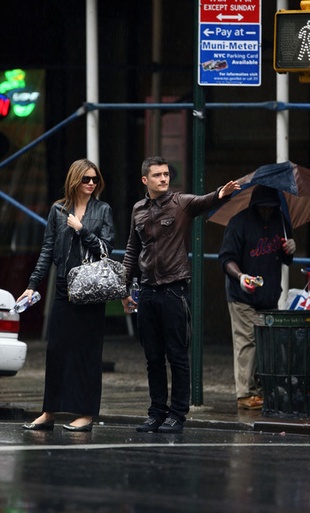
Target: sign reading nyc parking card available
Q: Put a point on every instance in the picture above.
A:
(229, 42)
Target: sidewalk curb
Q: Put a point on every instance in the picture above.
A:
(200, 424)
(9, 412)
(13, 413)
(282, 427)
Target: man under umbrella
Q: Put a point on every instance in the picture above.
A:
(257, 241)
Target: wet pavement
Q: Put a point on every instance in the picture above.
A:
(114, 469)
(225, 460)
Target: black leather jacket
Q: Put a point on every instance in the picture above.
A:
(97, 225)
(158, 242)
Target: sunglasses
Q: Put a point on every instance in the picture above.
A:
(87, 179)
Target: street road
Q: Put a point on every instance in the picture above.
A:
(116, 469)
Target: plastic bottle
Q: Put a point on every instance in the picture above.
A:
(134, 292)
(23, 304)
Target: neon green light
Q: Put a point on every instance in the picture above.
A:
(23, 111)
(15, 79)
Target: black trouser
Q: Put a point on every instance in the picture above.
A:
(164, 324)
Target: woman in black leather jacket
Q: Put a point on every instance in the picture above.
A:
(76, 223)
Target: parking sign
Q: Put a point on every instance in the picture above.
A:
(229, 42)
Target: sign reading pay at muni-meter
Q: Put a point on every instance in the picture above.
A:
(229, 42)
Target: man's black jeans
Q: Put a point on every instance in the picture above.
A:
(164, 325)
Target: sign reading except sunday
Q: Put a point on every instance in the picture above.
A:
(229, 42)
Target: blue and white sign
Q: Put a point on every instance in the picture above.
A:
(230, 54)
(229, 42)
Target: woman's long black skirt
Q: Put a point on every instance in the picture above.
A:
(73, 378)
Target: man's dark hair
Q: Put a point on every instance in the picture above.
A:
(152, 161)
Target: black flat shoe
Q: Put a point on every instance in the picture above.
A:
(42, 426)
(86, 427)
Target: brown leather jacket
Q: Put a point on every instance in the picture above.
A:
(158, 242)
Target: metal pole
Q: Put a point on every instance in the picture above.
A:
(156, 76)
(282, 128)
(198, 229)
(92, 81)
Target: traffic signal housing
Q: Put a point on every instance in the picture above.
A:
(292, 43)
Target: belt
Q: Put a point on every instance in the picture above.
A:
(178, 283)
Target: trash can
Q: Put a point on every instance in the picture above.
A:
(283, 361)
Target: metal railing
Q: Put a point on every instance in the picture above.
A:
(87, 107)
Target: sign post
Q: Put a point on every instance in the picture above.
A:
(199, 138)
(229, 42)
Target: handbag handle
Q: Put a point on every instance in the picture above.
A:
(89, 257)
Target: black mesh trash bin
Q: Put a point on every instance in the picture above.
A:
(283, 360)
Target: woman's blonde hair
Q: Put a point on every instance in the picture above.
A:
(74, 178)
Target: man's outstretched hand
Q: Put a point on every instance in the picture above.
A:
(228, 188)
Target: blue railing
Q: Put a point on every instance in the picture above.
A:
(87, 107)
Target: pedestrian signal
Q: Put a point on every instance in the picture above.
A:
(292, 42)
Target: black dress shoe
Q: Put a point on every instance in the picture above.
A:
(151, 425)
(171, 425)
(86, 427)
(42, 426)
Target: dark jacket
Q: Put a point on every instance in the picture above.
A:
(256, 247)
(97, 225)
(158, 242)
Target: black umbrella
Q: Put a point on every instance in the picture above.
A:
(290, 180)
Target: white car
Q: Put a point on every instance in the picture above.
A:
(12, 351)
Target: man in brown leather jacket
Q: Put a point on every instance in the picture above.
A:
(157, 249)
